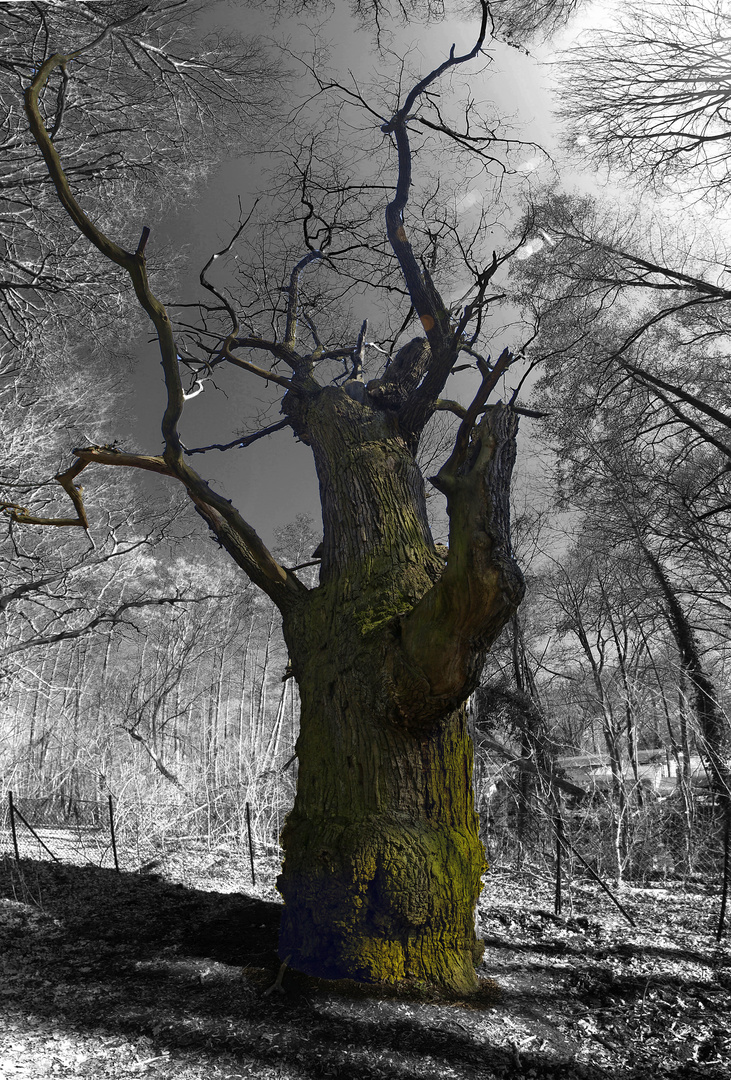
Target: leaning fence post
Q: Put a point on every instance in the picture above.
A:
(12, 826)
(114, 839)
(251, 845)
(726, 867)
(30, 829)
(557, 895)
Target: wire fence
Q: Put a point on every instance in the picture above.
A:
(220, 837)
(56, 828)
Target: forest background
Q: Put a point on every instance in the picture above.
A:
(136, 660)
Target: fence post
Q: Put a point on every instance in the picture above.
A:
(557, 894)
(726, 866)
(12, 826)
(114, 839)
(251, 845)
(560, 836)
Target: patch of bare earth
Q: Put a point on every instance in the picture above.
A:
(108, 975)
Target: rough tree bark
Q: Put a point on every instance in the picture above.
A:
(383, 858)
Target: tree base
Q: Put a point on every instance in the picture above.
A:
(381, 902)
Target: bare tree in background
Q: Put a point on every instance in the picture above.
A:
(635, 302)
(652, 486)
(140, 121)
(651, 95)
(134, 119)
(647, 97)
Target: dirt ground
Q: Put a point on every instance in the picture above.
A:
(108, 975)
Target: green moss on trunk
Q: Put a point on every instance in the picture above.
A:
(381, 899)
(382, 854)
(383, 859)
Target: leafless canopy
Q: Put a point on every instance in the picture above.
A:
(652, 94)
(638, 307)
(514, 21)
(139, 118)
(414, 380)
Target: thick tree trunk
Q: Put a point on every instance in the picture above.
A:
(382, 854)
(383, 858)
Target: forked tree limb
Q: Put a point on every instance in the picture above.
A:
(103, 455)
(290, 333)
(132, 262)
(425, 297)
(66, 479)
(234, 533)
(445, 477)
(444, 638)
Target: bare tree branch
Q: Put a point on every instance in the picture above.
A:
(235, 534)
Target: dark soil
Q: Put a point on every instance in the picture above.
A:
(110, 975)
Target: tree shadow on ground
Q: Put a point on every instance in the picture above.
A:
(187, 970)
(604, 949)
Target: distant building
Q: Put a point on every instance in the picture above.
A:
(657, 770)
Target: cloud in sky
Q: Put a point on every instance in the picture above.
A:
(530, 248)
(466, 202)
(534, 245)
(530, 165)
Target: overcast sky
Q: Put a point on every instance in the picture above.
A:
(274, 480)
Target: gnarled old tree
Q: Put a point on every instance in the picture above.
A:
(382, 855)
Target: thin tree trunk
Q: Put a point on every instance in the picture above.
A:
(242, 701)
(612, 741)
(715, 743)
